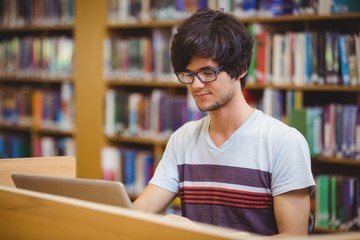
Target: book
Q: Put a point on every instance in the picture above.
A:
(357, 135)
(261, 58)
(281, 7)
(314, 57)
(348, 203)
(300, 52)
(129, 163)
(111, 166)
(314, 130)
(340, 126)
(328, 129)
(143, 169)
(251, 74)
(333, 220)
(349, 131)
(298, 120)
(324, 7)
(336, 63)
(156, 96)
(110, 123)
(135, 113)
(67, 117)
(330, 74)
(264, 9)
(321, 62)
(352, 59)
(309, 54)
(37, 107)
(344, 6)
(344, 60)
(277, 59)
(121, 111)
(161, 45)
(357, 49)
(322, 201)
(249, 8)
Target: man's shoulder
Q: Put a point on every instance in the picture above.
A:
(276, 127)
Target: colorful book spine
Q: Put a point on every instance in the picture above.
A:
(344, 60)
(322, 201)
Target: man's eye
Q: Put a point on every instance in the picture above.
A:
(208, 72)
(184, 75)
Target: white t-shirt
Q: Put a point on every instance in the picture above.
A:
(233, 185)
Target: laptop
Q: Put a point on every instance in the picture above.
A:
(99, 191)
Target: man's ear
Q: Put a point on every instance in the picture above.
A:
(242, 75)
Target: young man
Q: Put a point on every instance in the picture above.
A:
(236, 167)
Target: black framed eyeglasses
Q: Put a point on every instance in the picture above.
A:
(205, 76)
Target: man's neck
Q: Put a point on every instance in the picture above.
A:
(225, 121)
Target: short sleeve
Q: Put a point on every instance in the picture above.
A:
(166, 174)
(292, 164)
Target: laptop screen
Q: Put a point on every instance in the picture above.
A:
(99, 191)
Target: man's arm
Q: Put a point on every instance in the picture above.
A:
(292, 211)
(154, 199)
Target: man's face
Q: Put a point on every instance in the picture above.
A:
(213, 95)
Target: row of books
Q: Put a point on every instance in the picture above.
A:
(145, 10)
(48, 146)
(305, 58)
(27, 107)
(14, 145)
(276, 103)
(331, 131)
(271, 8)
(155, 115)
(337, 202)
(135, 58)
(37, 56)
(17, 13)
(299, 58)
(133, 167)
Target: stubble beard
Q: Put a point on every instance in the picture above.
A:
(224, 100)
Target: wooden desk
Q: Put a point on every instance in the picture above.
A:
(31, 215)
(64, 166)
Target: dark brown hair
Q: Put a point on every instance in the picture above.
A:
(216, 35)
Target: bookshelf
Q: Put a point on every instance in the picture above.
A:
(306, 95)
(86, 29)
(36, 59)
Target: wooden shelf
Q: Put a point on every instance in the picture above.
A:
(327, 230)
(278, 19)
(301, 18)
(14, 127)
(50, 131)
(137, 140)
(328, 88)
(143, 83)
(35, 79)
(333, 160)
(147, 24)
(58, 132)
(38, 28)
